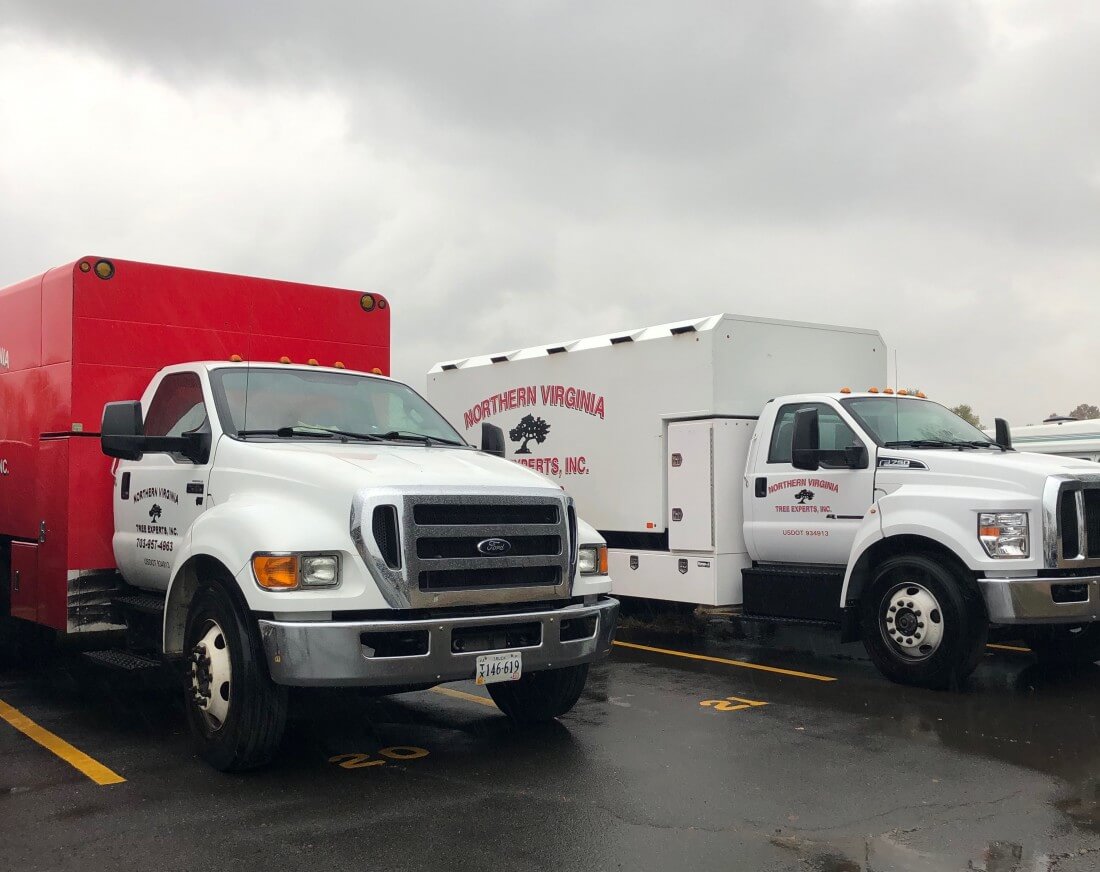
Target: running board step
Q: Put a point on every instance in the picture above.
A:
(122, 660)
(802, 592)
(144, 603)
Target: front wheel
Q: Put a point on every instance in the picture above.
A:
(539, 697)
(923, 624)
(1065, 645)
(236, 713)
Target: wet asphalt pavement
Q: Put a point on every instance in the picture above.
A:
(777, 771)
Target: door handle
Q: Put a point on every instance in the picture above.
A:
(761, 487)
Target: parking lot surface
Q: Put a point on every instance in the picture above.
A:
(688, 751)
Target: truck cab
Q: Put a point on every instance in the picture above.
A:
(882, 501)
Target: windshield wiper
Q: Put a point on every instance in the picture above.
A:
(306, 431)
(937, 443)
(418, 437)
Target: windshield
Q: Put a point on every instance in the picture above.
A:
(894, 421)
(293, 402)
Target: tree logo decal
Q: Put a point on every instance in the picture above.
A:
(803, 496)
(528, 428)
(154, 513)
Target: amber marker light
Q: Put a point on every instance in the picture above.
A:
(235, 358)
(903, 393)
(104, 269)
(367, 302)
(275, 572)
(872, 390)
(845, 390)
(922, 395)
(603, 560)
(376, 371)
(339, 364)
(312, 361)
(284, 359)
(888, 390)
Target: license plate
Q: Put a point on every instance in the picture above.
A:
(505, 666)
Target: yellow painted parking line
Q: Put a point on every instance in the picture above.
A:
(76, 758)
(461, 694)
(741, 664)
(1015, 648)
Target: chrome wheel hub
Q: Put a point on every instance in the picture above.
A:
(911, 621)
(211, 675)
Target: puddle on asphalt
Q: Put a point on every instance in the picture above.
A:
(886, 854)
(1083, 805)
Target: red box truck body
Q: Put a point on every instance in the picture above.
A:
(95, 331)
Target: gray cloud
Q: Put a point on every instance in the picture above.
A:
(515, 173)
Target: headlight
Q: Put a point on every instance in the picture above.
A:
(1004, 534)
(294, 571)
(320, 570)
(592, 560)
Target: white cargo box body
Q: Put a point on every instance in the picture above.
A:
(594, 414)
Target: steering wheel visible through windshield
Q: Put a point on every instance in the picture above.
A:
(295, 402)
(902, 422)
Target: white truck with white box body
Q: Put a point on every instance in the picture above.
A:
(728, 462)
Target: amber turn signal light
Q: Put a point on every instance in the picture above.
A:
(275, 572)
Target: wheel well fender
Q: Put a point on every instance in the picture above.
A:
(863, 571)
(192, 574)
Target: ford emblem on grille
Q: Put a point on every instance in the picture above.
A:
(494, 547)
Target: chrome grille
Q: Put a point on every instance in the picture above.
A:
(1073, 521)
(439, 532)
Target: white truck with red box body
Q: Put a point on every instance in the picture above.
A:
(727, 462)
(278, 511)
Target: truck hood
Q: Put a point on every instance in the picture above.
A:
(1018, 471)
(355, 465)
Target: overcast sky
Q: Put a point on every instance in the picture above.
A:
(513, 173)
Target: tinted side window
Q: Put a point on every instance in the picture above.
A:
(834, 433)
(177, 406)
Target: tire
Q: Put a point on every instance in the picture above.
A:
(236, 713)
(539, 697)
(923, 624)
(1065, 644)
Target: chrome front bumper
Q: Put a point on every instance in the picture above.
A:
(1031, 600)
(332, 653)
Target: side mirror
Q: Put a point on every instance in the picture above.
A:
(806, 441)
(122, 433)
(1004, 435)
(492, 440)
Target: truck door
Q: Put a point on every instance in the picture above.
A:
(798, 516)
(158, 498)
